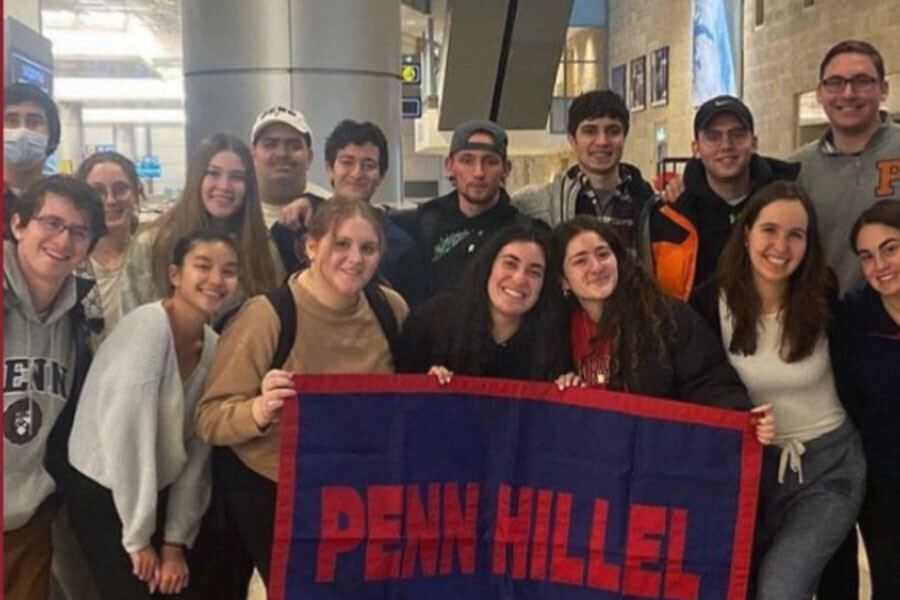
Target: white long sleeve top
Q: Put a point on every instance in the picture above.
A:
(133, 431)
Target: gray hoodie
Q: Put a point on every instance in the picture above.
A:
(841, 186)
(38, 368)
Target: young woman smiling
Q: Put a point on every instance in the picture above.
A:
(220, 193)
(337, 332)
(116, 181)
(772, 303)
(139, 485)
(869, 344)
(628, 336)
(501, 320)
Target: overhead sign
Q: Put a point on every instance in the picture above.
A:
(411, 77)
(95, 148)
(26, 70)
(148, 167)
(411, 73)
(412, 107)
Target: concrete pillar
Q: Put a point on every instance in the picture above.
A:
(330, 59)
(142, 141)
(71, 138)
(123, 138)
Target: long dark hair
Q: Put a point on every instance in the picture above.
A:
(635, 315)
(256, 270)
(811, 287)
(464, 332)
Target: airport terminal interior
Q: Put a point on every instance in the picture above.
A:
(150, 78)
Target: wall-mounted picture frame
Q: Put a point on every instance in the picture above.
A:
(638, 86)
(659, 76)
(618, 78)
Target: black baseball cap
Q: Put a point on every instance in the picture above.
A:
(721, 105)
(467, 129)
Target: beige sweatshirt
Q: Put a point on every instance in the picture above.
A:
(327, 341)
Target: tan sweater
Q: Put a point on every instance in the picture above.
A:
(328, 341)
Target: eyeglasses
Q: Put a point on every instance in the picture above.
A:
(858, 83)
(119, 190)
(715, 137)
(79, 233)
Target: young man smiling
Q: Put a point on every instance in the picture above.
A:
(282, 152)
(856, 162)
(688, 236)
(449, 229)
(356, 160)
(53, 226)
(600, 184)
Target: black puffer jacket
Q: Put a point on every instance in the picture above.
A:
(694, 368)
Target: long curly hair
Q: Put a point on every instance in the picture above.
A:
(464, 332)
(806, 306)
(256, 267)
(635, 316)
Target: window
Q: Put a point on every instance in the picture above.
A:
(760, 12)
(579, 71)
(808, 3)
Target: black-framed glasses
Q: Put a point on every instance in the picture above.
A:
(55, 225)
(859, 83)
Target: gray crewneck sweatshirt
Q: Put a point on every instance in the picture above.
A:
(842, 185)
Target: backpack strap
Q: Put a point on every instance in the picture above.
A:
(385, 314)
(282, 300)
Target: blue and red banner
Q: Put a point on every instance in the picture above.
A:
(394, 487)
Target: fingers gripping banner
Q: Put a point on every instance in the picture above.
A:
(393, 487)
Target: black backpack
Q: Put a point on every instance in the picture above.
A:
(282, 301)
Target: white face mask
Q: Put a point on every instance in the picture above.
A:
(24, 148)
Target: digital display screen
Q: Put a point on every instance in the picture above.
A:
(26, 70)
(412, 107)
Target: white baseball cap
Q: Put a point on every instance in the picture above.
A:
(279, 114)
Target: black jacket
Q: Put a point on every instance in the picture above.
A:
(694, 368)
(431, 329)
(288, 240)
(447, 239)
(710, 217)
(86, 319)
(866, 367)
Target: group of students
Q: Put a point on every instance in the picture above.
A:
(166, 396)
